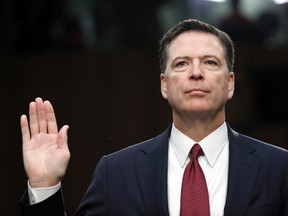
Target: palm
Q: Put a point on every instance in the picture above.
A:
(45, 150)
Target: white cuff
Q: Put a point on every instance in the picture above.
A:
(37, 195)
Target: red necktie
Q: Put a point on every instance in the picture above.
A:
(194, 194)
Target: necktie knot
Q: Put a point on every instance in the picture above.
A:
(196, 151)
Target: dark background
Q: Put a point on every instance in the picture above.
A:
(97, 62)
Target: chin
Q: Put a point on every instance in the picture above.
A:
(198, 108)
(196, 111)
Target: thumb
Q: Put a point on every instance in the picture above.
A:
(63, 137)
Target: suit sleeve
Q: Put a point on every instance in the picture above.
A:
(54, 205)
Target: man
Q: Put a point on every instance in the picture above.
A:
(243, 176)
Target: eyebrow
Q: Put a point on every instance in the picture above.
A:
(211, 56)
(180, 57)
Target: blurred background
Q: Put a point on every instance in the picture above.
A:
(97, 62)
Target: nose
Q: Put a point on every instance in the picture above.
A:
(196, 73)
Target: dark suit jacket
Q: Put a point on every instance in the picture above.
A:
(133, 181)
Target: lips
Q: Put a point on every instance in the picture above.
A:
(197, 90)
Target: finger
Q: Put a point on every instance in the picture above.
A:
(24, 129)
(51, 118)
(63, 137)
(41, 115)
(34, 128)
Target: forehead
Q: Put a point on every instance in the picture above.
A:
(196, 43)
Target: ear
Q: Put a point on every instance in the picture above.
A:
(163, 85)
(231, 85)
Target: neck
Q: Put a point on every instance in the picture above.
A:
(197, 128)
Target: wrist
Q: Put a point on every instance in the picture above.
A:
(43, 184)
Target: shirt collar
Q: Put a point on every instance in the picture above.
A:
(212, 145)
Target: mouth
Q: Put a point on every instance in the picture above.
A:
(196, 92)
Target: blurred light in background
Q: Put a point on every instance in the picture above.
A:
(281, 1)
(276, 1)
(216, 0)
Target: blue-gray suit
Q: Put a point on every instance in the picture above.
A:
(133, 181)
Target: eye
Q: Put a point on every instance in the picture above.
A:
(181, 64)
(211, 62)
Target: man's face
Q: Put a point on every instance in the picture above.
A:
(196, 79)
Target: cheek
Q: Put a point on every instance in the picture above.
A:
(221, 89)
(173, 86)
(173, 93)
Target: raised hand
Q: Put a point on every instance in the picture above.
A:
(45, 149)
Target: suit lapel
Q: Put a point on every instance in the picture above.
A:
(151, 169)
(241, 176)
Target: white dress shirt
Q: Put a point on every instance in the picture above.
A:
(214, 164)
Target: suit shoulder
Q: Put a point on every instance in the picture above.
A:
(152, 145)
(265, 147)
